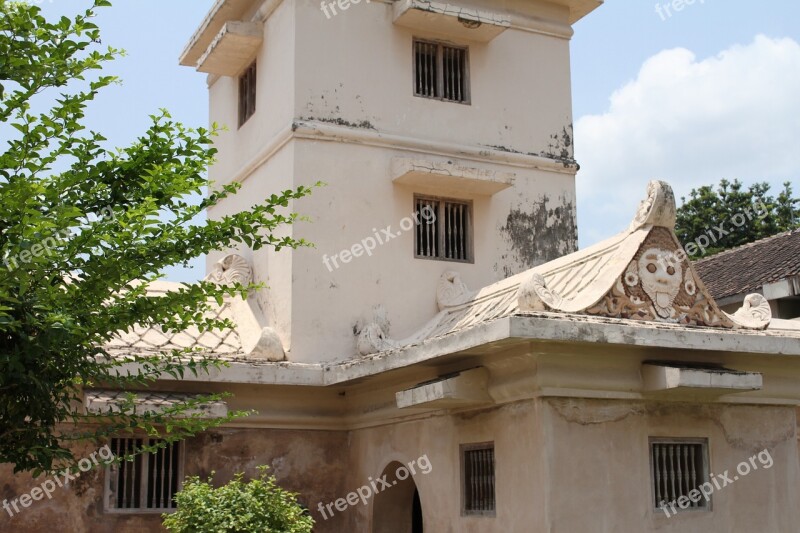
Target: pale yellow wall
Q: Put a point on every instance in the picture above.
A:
(567, 466)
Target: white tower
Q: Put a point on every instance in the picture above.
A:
(462, 110)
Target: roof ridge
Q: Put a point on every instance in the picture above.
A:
(748, 245)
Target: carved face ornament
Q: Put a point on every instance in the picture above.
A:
(661, 276)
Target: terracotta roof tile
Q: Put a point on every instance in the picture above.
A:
(748, 268)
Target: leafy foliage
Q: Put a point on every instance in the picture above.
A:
(258, 506)
(83, 230)
(708, 211)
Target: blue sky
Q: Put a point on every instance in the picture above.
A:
(710, 92)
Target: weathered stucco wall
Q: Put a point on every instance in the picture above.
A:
(309, 462)
(562, 466)
(599, 473)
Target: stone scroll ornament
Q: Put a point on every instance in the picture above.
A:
(373, 336)
(231, 269)
(755, 313)
(533, 295)
(261, 342)
(451, 291)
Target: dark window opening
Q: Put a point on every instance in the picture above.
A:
(478, 469)
(150, 480)
(443, 229)
(678, 468)
(441, 72)
(247, 94)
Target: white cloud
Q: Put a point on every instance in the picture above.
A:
(691, 123)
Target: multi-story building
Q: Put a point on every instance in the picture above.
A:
(598, 390)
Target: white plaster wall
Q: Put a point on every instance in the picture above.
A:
(274, 99)
(357, 67)
(361, 196)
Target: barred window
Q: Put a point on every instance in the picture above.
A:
(679, 466)
(441, 72)
(478, 482)
(443, 229)
(146, 483)
(247, 94)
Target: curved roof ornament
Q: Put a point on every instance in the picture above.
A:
(658, 209)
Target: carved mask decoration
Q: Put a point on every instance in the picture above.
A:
(661, 276)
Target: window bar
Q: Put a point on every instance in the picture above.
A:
(451, 226)
(452, 62)
(428, 235)
(475, 500)
(657, 472)
(665, 470)
(118, 451)
(693, 473)
(425, 60)
(170, 473)
(476, 474)
(428, 70)
(420, 68)
(485, 479)
(685, 462)
(435, 75)
(462, 70)
(457, 74)
(123, 478)
(479, 477)
(460, 234)
(429, 243)
(674, 493)
(678, 473)
(424, 76)
(130, 474)
(437, 232)
(448, 72)
(174, 473)
(467, 246)
(454, 235)
(419, 230)
(145, 479)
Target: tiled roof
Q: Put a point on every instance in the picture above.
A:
(152, 340)
(747, 268)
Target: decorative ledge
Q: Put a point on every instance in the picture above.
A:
(462, 389)
(233, 49)
(455, 21)
(449, 176)
(112, 401)
(659, 377)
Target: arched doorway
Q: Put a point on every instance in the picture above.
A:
(397, 508)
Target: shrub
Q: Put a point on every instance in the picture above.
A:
(259, 505)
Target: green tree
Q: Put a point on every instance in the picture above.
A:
(734, 216)
(83, 230)
(258, 506)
